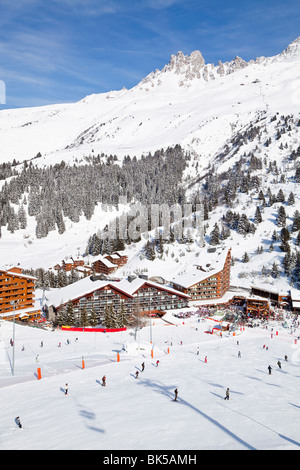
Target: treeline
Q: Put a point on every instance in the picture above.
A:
(62, 191)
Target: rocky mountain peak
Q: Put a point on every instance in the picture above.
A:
(293, 49)
(193, 66)
(179, 63)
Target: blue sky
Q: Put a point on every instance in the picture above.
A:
(55, 51)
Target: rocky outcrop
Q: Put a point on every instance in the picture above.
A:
(193, 67)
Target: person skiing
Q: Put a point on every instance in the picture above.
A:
(176, 394)
(136, 374)
(279, 364)
(285, 358)
(66, 389)
(143, 366)
(103, 381)
(227, 394)
(157, 362)
(18, 421)
(239, 354)
(270, 368)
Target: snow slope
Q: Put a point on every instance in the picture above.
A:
(134, 414)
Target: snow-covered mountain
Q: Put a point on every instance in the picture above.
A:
(177, 105)
(229, 117)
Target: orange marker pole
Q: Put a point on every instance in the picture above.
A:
(118, 357)
(83, 364)
(152, 353)
(39, 373)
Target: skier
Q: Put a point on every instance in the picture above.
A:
(18, 421)
(176, 394)
(143, 366)
(136, 374)
(270, 368)
(66, 389)
(205, 360)
(227, 394)
(157, 362)
(279, 364)
(198, 351)
(239, 354)
(37, 358)
(285, 358)
(103, 381)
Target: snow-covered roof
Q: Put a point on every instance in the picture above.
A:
(86, 286)
(208, 264)
(295, 294)
(13, 273)
(21, 312)
(269, 288)
(131, 287)
(80, 288)
(106, 262)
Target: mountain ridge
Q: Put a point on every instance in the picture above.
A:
(165, 108)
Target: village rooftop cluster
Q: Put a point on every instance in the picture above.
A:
(203, 284)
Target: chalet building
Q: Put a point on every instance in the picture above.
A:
(110, 263)
(209, 279)
(117, 258)
(70, 263)
(275, 296)
(104, 266)
(17, 295)
(138, 296)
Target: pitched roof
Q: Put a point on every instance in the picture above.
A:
(86, 286)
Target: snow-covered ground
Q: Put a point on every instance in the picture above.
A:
(139, 413)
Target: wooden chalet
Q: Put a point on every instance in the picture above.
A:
(70, 263)
(109, 263)
(104, 266)
(117, 258)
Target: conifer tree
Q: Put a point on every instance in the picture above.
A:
(94, 319)
(257, 216)
(83, 320)
(215, 235)
(281, 217)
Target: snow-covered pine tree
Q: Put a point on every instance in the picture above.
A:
(281, 217)
(257, 216)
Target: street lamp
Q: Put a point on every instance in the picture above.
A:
(13, 302)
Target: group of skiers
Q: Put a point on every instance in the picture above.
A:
(227, 397)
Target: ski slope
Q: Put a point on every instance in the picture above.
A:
(139, 413)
